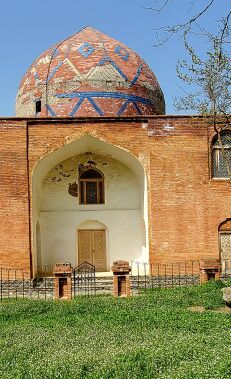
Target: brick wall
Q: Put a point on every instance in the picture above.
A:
(14, 210)
(186, 205)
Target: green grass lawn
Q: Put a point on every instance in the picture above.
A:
(149, 336)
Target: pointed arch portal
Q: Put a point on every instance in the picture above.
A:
(117, 199)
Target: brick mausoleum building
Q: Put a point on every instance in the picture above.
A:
(93, 170)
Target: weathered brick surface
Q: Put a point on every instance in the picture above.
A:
(186, 206)
(89, 74)
(14, 210)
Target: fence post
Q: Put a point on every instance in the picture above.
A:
(138, 276)
(16, 284)
(186, 274)
(23, 285)
(8, 283)
(121, 278)
(145, 277)
(210, 269)
(63, 283)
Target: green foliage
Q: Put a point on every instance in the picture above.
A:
(154, 335)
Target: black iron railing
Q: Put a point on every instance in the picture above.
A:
(17, 283)
(84, 282)
(146, 276)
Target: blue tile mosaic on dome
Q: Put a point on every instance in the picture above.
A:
(113, 95)
(139, 70)
(77, 106)
(122, 52)
(56, 68)
(108, 59)
(36, 76)
(86, 54)
(137, 107)
(93, 103)
(90, 96)
(118, 69)
(54, 52)
(51, 111)
(125, 105)
(86, 49)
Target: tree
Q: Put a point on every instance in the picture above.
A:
(209, 75)
(210, 78)
(165, 32)
(211, 81)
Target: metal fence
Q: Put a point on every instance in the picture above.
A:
(84, 281)
(16, 283)
(147, 276)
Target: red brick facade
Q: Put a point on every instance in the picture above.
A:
(90, 84)
(15, 235)
(185, 204)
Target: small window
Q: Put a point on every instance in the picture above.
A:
(91, 182)
(221, 156)
(38, 106)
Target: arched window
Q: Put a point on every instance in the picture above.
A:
(221, 157)
(91, 183)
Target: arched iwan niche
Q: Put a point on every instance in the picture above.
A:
(57, 207)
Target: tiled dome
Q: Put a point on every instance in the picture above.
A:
(89, 74)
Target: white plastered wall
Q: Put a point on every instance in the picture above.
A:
(60, 215)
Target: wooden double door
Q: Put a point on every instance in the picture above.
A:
(225, 243)
(92, 248)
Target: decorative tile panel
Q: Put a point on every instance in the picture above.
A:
(122, 52)
(86, 49)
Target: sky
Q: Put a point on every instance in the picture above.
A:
(28, 28)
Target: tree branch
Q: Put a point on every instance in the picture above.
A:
(180, 28)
